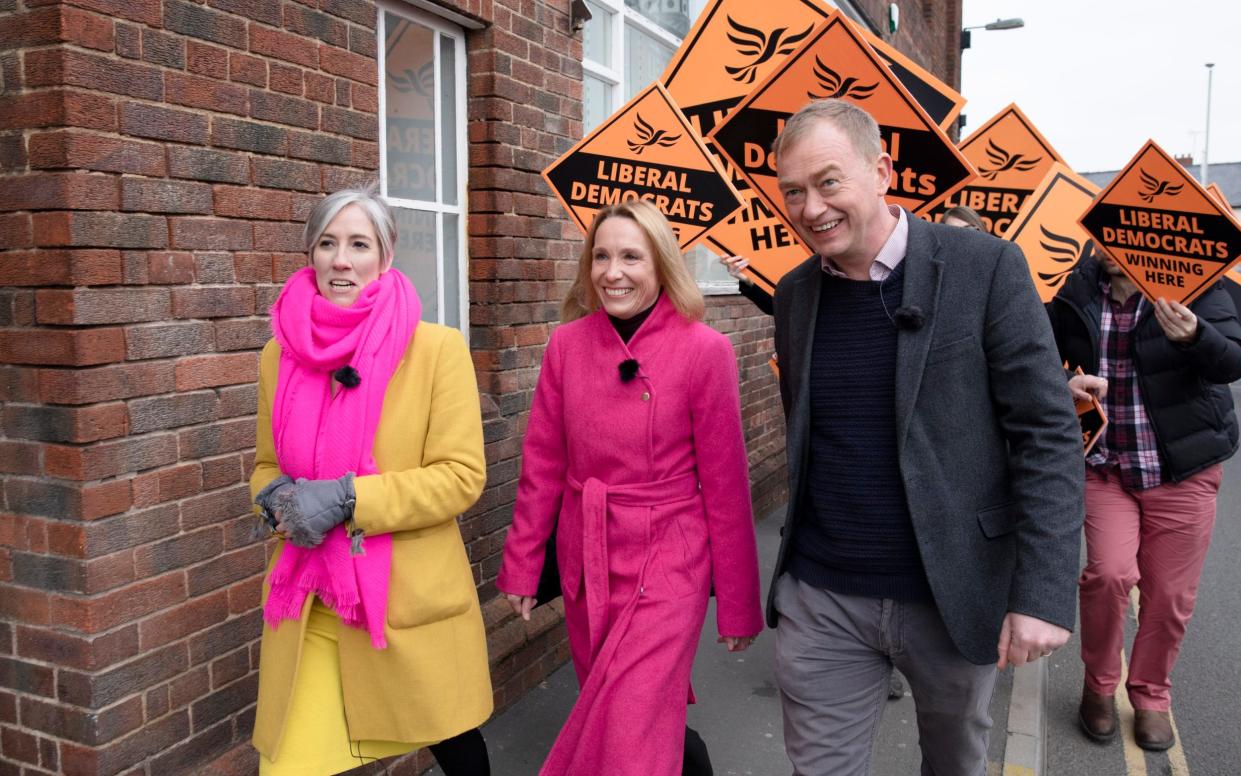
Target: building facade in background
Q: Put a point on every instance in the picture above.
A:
(157, 160)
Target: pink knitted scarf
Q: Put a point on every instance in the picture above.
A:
(318, 436)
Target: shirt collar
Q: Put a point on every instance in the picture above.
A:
(890, 255)
(1105, 288)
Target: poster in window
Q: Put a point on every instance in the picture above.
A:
(409, 90)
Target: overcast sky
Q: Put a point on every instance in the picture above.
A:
(1100, 77)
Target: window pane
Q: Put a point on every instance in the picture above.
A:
(596, 101)
(416, 256)
(409, 88)
(645, 59)
(452, 271)
(448, 120)
(597, 37)
(672, 15)
(706, 268)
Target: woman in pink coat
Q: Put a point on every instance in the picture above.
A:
(634, 453)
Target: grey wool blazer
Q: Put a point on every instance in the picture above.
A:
(989, 444)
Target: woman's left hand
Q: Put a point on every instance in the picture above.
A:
(736, 643)
(521, 604)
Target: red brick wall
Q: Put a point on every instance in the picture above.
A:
(929, 33)
(157, 158)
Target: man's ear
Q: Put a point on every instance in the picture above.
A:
(883, 173)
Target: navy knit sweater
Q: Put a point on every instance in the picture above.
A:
(856, 537)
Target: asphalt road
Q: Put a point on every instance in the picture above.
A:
(1206, 682)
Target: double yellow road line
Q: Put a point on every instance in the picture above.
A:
(1135, 757)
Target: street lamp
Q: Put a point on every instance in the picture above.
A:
(1206, 145)
(998, 24)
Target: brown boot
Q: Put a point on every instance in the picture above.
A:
(1098, 715)
(1153, 729)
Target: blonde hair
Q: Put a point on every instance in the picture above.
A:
(670, 270)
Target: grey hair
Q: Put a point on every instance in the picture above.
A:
(365, 197)
(857, 124)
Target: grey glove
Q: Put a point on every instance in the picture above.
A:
(266, 499)
(311, 508)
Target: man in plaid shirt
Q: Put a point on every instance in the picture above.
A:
(1162, 371)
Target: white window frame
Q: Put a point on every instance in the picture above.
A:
(451, 29)
(613, 72)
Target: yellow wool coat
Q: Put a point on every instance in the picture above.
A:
(432, 682)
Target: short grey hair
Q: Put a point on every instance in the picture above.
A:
(857, 124)
(365, 197)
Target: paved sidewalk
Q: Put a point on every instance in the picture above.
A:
(738, 711)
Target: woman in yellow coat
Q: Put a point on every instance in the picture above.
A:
(369, 446)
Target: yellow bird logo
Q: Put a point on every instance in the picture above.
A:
(761, 46)
(649, 136)
(1002, 161)
(1153, 187)
(836, 86)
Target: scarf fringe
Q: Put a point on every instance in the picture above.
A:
(277, 612)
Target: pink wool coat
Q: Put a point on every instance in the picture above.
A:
(649, 483)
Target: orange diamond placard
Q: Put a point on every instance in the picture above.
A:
(1047, 229)
(836, 62)
(1091, 417)
(646, 150)
(1233, 274)
(1215, 191)
(733, 45)
(940, 101)
(1012, 158)
(1163, 229)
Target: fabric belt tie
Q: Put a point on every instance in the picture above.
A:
(596, 496)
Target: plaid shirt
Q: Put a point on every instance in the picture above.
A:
(1129, 443)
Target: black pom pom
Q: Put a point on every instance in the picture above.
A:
(347, 376)
(628, 369)
(910, 318)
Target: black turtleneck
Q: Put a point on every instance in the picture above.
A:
(627, 327)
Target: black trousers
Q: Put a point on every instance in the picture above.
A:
(697, 761)
(463, 755)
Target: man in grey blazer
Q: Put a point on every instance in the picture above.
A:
(935, 463)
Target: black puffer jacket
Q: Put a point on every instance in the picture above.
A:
(1184, 387)
(760, 298)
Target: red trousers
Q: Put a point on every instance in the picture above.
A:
(1158, 540)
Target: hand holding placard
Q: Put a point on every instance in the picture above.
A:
(1087, 390)
(1178, 322)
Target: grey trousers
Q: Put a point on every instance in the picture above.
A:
(834, 656)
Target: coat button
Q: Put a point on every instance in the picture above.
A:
(646, 396)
